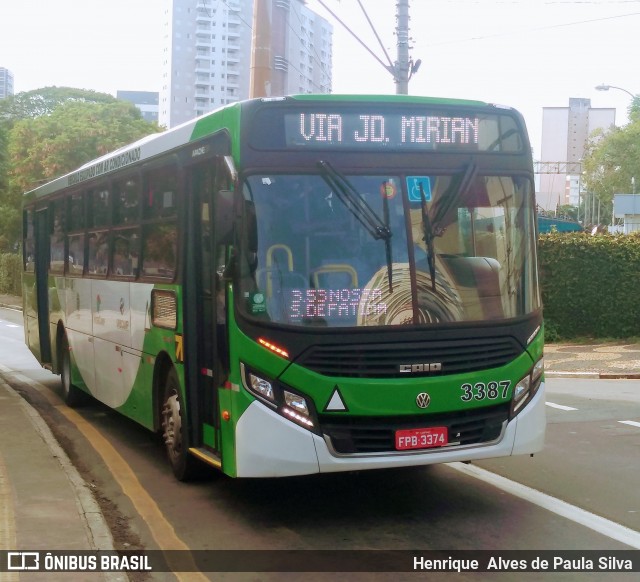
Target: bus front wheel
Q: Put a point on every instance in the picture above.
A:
(174, 431)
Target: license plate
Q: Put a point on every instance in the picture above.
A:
(421, 438)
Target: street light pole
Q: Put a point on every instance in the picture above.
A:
(604, 87)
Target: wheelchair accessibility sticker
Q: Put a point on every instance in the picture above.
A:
(414, 189)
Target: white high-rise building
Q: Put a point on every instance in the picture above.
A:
(565, 133)
(207, 54)
(6, 83)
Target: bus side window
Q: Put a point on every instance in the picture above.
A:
(126, 200)
(160, 231)
(29, 245)
(76, 211)
(75, 239)
(161, 193)
(76, 254)
(98, 259)
(99, 206)
(159, 250)
(56, 264)
(125, 252)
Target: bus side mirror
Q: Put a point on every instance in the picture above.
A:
(224, 219)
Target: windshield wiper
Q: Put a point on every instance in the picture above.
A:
(353, 201)
(428, 236)
(452, 196)
(446, 203)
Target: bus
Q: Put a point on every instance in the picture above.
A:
(300, 285)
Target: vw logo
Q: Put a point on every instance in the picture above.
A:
(423, 400)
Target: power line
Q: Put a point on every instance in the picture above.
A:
(535, 29)
(353, 34)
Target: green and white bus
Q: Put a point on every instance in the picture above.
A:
(298, 285)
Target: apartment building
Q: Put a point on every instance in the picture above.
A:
(207, 54)
(6, 83)
(565, 133)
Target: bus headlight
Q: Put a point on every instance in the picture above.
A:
(296, 402)
(520, 393)
(527, 387)
(292, 405)
(260, 386)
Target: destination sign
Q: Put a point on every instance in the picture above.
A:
(386, 127)
(336, 129)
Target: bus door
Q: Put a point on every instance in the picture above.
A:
(205, 304)
(42, 232)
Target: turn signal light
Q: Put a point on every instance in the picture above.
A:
(274, 348)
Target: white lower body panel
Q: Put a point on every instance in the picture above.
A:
(268, 445)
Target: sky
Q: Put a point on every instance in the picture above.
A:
(528, 54)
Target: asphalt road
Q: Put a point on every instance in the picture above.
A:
(580, 493)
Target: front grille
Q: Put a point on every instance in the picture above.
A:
(383, 360)
(352, 435)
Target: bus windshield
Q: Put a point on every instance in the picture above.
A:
(356, 249)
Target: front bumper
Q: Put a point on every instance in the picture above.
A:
(268, 445)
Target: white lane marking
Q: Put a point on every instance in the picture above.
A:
(606, 527)
(12, 325)
(630, 422)
(559, 406)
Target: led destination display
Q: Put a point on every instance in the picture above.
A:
(392, 129)
(336, 128)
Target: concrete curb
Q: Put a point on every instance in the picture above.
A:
(558, 374)
(98, 532)
(619, 376)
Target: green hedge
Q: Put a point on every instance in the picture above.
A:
(590, 285)
(10, 274)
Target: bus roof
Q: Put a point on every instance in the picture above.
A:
(156, 144)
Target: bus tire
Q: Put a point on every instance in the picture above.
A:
(185, 467)
(72, 395)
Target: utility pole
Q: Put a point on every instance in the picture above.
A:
(402, 69)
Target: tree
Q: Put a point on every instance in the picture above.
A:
(9, 214)
(612, 161)
(52, 131)
(51, 145)
(4, 158)
(32, 104)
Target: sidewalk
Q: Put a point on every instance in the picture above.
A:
(604, 360)
(10, 301)
(44, 502)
